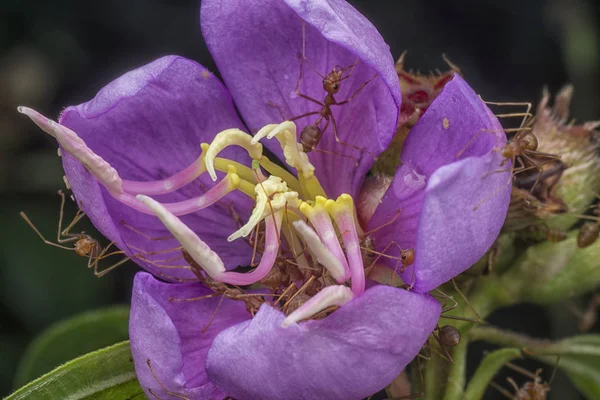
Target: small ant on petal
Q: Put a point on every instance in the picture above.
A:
(84, 244)
(311, 134)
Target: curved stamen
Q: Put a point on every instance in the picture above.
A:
(327, 297)
(230, 137)
(273, 227)
(68, 139)
(292, 150)
(197, 249)
(342, 212)
(319, 218)
(321, 252)
(228, 184)
(170, 184)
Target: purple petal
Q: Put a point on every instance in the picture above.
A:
(169, 334)
(350, 354)
(457, 125)
(256, 43)
(149, 124)
(448, 235)
(462, 215)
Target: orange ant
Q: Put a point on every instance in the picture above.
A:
(310, 136)
(84, 244)
(533, 389)
(522, 148)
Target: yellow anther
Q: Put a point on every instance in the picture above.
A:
(227, 138)
(343, 203)
(320, 201)
(232, 177)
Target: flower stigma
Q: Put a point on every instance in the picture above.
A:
(310, 246)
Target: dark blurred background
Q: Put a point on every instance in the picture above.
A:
(58, 53)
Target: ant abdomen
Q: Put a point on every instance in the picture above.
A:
(309, 137)
(588, 234)
(449, 336)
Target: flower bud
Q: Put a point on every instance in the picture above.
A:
(578, 147)
(551, 272)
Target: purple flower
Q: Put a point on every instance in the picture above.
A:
(134, 153)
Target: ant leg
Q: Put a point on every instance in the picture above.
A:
(278, 107)
(512, 104)
(308, 282)
(351, 68)
(361, 87)
(304, 56)
(338, 140)
(466, 300)
(32, 226)
(385, 224)
(502, 391)
(78, 216)
(212, 318)
(167, 391)
(126, 225)
(308, 114)
(415, 395)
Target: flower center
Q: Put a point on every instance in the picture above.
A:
(326, 229)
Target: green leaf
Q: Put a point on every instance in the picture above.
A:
(102, 375)
(72, 338)
(489, 366)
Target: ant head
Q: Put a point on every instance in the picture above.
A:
(408, 257)
(84, 246)
(332, 81)
(531, 142)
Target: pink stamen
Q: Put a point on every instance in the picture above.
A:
(168, 185)
(321, 252)
(184, 207)
(344, 218)
(102, 170)
(273, 227)
(322, 223)
(327, 297)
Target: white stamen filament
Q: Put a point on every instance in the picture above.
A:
(321, 252)
(329, 296)
(198, 250)
(294, 155)
(230, 137)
